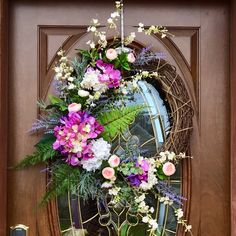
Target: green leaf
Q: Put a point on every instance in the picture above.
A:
(117, 120)
(44, 151)
(160, 174)
(55, 100)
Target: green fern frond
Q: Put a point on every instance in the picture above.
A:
(64, 179)
(44, 151)
(118, 120)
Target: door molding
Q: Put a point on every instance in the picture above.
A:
(233, 114)
(4, 113)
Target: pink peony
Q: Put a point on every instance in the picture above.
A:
(74, 107)
(114, 161)
(131, 57)
(168, 168)
(111, 54)
(108, 173)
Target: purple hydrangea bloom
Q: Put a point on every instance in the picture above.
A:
(74, 135)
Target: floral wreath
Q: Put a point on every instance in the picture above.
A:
(88, 113)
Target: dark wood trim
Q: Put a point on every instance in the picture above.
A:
(233, 114)
(3, 113)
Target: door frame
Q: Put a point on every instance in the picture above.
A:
(4, 19)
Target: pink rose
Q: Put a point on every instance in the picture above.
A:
(168, 168)
(114, 161)
(131, 57)
(111, 54)
(108, 173)
(74, 107)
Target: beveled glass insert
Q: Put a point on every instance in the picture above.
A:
(144, 137)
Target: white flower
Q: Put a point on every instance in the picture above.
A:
(153, 224)
(91, 81)
(91, 164)
(115, 14)
(151, 209)
(145, 73)
(139, 199)
(163, 157)
(61, 53)
(91, 29)
(171, 156)
(114, 191)
(57, 69)
(179, 213)
(145, 219)
(92, 45)
(188, 228)
(71, 79)
(141, 27)
(101, 150)
(71, 86)
(106, 185)
(141, 24)
(83, 93)
(95, 21)
(109, 20)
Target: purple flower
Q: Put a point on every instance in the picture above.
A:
(74, 134)
(109, 75)
(134, 180)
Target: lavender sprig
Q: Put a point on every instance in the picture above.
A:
(146, 56)
(168, 191)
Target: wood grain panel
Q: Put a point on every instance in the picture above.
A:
(210, 140)
(3, 113)
(233, 115)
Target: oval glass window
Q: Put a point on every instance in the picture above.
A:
(148, 133)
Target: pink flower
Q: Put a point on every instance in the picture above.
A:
(131, 57)
(109, 76)
(168, 168)
(108, 173)
(111, 54)
(74, 107)
(114, 161)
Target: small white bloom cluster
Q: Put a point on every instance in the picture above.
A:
(91, 81)
(166, 156)
(166, 200)
(64, 70)
(111, 21)
(179, 214)
(140, 27)
(101, 150)
(129, 39)
(153, 30)
(145, 74)
(101, 35)
(114, 191)
(143, 208)
(152, 179)
(115, 15)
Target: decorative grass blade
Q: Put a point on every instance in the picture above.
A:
(117, 120)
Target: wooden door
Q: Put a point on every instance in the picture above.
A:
(200, 52)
